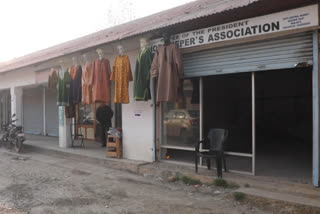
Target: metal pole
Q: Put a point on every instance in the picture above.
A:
(44, 110)
(201, 115)
(5, 107)
(315, 101)
(161, 137)
(253, 124)
(154, 124)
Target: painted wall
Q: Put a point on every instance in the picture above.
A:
(137, 131)
(17, 78)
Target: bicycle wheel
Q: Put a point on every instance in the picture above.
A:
(17, 144)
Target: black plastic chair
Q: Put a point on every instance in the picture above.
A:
(215, 142)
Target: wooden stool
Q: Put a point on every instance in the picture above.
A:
(114, 147)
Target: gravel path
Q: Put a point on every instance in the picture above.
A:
(35, 183)
(7, 210)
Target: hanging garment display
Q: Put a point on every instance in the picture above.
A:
(86, 86)
(53, 80)
(167, 66)
(141, 88)
(121, 74)
(76, 88)
(63, 93)
(100, 81)
(70, 111)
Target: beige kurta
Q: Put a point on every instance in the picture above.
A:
(121, 74)
(167, 66)
(86, 86)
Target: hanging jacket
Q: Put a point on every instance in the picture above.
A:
(168, 68)
(63, 88)
(141, 88)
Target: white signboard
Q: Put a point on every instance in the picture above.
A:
(292, 19)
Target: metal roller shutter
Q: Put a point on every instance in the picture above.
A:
(52, 121)
(279, 53)
(33, 111)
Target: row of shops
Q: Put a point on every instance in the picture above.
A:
(256, 77)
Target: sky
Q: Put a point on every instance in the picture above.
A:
(32, 25)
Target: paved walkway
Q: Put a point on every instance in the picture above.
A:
(92, 148)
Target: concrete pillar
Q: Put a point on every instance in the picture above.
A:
(17, 104)
(316, 118)
(44, 111)
(2, 108)
(64, 129)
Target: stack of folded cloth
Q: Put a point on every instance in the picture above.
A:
(115, 132)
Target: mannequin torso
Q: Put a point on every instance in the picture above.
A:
(85, 58)
(120, 50)
(143, 44)
(166, 39)
(100, 53)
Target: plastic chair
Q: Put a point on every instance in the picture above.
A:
(216, 143)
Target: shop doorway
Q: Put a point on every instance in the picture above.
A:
(33, 110)
(227, 104)
(283, 106)
(270, 127)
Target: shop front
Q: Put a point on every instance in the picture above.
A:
(33, 110)
(256, 78)
(40, 113)
(86, 121)
(264, 91)
(5, 106)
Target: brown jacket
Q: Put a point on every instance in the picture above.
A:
(167, 66)
(53, 80)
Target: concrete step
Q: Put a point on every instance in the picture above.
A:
(120, 164)
(274, 185)
(282, 196)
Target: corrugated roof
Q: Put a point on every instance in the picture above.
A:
(187, 12)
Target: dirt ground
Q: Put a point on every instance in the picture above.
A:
(36, 183)
(8, 210)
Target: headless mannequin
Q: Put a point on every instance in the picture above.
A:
(100, 53)
(85, 58)
(143, 44)
(120, 50)
(74, 69)
(63, 69)
(75, 61)
(52, 70)
(166, 39)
